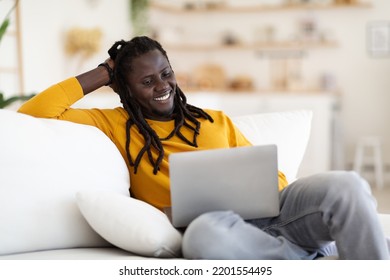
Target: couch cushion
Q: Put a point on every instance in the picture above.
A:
(130, 224)
(43, 164)
(90, 253)
(289, 130)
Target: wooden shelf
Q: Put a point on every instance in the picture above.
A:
(9, 70)
(254, 8)
(281, 50)
(229, 91)
(258, 46)
(11, 33)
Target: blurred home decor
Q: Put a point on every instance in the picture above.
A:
(210, 77)
(5, 102)
(83, 40)
(82, 43)
(139, 18)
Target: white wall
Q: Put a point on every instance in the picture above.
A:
(363, 80)
(44, 24)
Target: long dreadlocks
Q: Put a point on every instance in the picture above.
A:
(123, 52)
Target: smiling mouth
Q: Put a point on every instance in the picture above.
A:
(163, 97)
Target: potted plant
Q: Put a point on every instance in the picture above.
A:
(4, 102)
(139, 9)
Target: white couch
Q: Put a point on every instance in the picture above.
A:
(64, 189)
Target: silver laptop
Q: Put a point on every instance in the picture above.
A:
(242, 179)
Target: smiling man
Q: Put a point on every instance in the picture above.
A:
(154, 122)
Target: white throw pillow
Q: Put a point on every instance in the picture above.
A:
(289, 130)
(43, 164)
(130, 224)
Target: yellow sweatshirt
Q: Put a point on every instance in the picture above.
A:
(55, 102)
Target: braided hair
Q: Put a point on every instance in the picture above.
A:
(123, 53)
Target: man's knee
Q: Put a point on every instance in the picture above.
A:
(343, 183)
(204, 237)
(347, 189)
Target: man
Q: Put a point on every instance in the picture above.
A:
(156, 120)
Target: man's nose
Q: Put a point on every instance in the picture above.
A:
(161, 85)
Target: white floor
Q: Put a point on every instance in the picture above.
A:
(383, 198)
(382, 195)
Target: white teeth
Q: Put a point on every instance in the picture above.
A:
(162, 98)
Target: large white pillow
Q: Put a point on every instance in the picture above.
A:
(130, 224)
(43, 164)
(289, 130)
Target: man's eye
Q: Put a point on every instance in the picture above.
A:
(167, 74)
(147, 82)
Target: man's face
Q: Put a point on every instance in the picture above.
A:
(153, 84)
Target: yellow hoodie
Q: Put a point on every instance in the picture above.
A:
(55, 102)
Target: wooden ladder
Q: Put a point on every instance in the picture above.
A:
(12, 70)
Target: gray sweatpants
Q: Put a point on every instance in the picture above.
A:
(315, 211)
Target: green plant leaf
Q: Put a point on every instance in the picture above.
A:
(139, 16)
(3, 27)
(6, 102)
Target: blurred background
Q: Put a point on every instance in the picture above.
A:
(241, 56)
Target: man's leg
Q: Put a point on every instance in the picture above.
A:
(225, 235)
(336, 205)
(314, 211)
